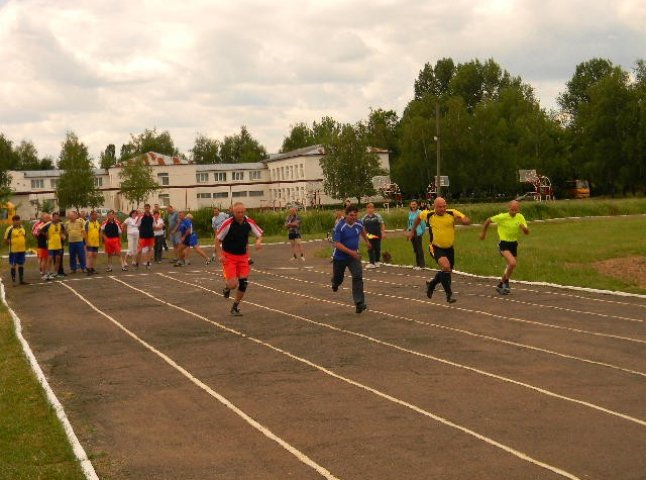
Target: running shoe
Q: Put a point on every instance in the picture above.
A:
(226, 291)
(251, 261)
(148, 266)
(22, 282)
(124, 268)
(302, 258)
(235, 311)
(450, 299)
(207, 263)
(430, 288)
(335, 288)
(360, 307)
(109, 269)
(44, 277)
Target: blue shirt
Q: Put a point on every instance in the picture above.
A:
(185, 226)
(421, 228)
(348, 235)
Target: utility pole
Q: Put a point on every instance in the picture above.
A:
(437, 145)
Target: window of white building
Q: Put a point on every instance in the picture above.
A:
(220, 194)
(98, 182)
(162, 179)
(53, 182)
(239, 194)
(164, 199)
(256, 193)
(204, 195)
(37, 183)
(202, 177)
(255, 175)
(220, 176)
(238, 176)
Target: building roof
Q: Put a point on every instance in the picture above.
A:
(311, 151)
(229, 167)
(56, 173)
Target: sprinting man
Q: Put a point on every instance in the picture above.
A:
(376, 231)
(346, 255)
(441, 222)
(92, 241)
(509, 224)
(191, 240)
(112, 229)
(293, 226)
(15, 237)
(231, 248)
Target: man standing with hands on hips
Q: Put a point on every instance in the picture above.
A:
(346, 255)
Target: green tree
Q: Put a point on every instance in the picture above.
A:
(241, 148)
(434, 80)
(586, 74)
(149, 141)
(326, 130)
(75, 186)
(300, 136)
(108, 157)
(137, 182)
(27, 156)
(206, 151)
(8, 158)
(46, 163)
(348, 166)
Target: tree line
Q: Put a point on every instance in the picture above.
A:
(490, 125)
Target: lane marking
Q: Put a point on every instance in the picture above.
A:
(505, 317)
(52, 399)
(223, 400)
(463, 331)
(444, 421)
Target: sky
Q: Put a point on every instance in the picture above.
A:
(108, 69)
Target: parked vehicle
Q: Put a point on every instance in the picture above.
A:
(578, 188)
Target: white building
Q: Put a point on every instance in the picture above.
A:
(282, 179)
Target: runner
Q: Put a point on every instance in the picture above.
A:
(146, 243)
(509, 224)
(112, 229)
(15, 237)
(191, 240)
(346, 255)
(376, 231)
(441, 223)
(293, 226)
(92, 240)
(232, 252)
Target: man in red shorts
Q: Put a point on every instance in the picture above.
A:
(111, 229)
(231, 248)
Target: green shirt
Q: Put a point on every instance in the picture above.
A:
(508, 226)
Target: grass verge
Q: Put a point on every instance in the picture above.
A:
(33, 444)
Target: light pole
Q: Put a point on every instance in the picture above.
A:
(437, 148)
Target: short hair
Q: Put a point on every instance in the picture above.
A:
(370, 205)
(351, 208)
(147, 205)
(15, 218)
(131, 212)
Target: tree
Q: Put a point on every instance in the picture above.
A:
(206, 151)
(382, 130)
(585, 75)
(348, 167)
(434, 80)
(148, 141)
(8, 157)
(241, 148)
(75, 186)
(137, 181)
(108, 157)
(300, 136)
(27, 156)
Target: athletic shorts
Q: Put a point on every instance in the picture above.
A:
(55, 253)
(439, 252)
(146, 242)
(294, 236)
(236, 266)
(92, 249)
(133, 243)
(17, 258)
(43, 253)
(511, 246)
(176, 238)
(112, 246)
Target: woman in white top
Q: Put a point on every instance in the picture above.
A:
(132, 231)
(158, 227)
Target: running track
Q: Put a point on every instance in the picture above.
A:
(159, 382)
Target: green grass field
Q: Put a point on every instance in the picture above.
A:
(33, 444)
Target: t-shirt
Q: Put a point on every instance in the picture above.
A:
(93, 232)
(294, 219)
(373, 224)
(441, 227)
(146, 226)
(508, 226)
(218, 220)
(348, 235)
(419, 231)
(131, 226)
(16, 237)
(185, 227)
(53, 232)
(41, 237)
(111, 229)
(75, 230)
(235, 236)
(173, 219)
(159, 223)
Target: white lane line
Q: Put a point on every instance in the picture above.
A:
(505, 317)
(77, 448)
(444, 421)
(463, 331)
(224, 401)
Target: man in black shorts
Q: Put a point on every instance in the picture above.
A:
(293, 226)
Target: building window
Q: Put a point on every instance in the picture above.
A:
(239, 194)
(255, 175)
(38, 183)
(238, 176)
(202, 177)
(98, 182)
(204, 195)
(164, 199)
(220, 176)
(52, 183)
(220, 194)
(162, 179)
(256, 193)
(302, 171)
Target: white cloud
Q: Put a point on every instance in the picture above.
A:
(108, 69)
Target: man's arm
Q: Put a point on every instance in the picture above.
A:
(485, 226)
(464, 220)
(413, 231)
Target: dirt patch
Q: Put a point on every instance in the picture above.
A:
(629, 269)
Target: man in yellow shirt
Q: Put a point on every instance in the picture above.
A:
(441, 222)
(509, 226)
(15, 237)
(76, 240)
(92, 240)
(55, 232)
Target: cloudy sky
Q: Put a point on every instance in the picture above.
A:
(105, 69)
